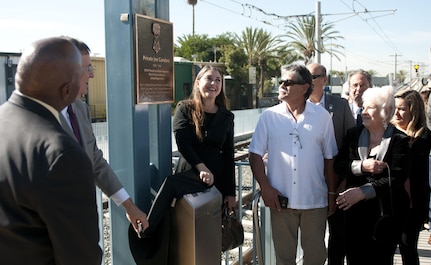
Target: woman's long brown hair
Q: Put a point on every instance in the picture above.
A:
(197, 110)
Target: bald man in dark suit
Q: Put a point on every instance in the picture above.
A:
(48, 210)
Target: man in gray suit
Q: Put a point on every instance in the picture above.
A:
(47, 196)
(342, 119)
(359, 80)
(106, 179)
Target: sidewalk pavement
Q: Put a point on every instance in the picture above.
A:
(424, 250)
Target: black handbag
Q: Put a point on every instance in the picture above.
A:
(384, 229)
(232, 229)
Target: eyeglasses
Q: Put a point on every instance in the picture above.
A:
(288, 82)
(89, 68)
(295, 134)
(317, 76)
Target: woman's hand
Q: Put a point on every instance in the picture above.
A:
(373, 166)
(207, 177)
(349, 198)
(205, 174)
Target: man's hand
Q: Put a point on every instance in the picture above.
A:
(270, 197)
(135, 215)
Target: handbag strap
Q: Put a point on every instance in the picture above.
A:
(390, 194)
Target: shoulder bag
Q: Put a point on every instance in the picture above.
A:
(232, 229)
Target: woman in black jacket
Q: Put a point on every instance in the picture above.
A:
(204, 133)
(375, 160)
(410, 118)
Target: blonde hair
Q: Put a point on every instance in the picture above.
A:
(417, 123)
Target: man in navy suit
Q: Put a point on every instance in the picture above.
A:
(342, 119)
(48, 209)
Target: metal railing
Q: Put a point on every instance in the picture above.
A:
(246, 187)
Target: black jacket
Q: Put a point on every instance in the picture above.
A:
(216, 149)
(419, 175)
(398, 157)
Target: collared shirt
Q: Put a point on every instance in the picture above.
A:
(320, 103)
(296, 152)
(47, 106)
(355, 110)
(66, 116)
(120, 196)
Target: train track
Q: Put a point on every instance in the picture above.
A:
(241, 151)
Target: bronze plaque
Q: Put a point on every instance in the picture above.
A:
(154, 60)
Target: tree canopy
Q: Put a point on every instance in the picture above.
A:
(256, 47)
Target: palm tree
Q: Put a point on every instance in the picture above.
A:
(401, 76)
(259, 46)
(302, 35)
(193, 3)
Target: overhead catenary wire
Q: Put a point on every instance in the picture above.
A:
(272, 19)
(382, 33)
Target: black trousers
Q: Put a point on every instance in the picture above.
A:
(174, 186)
(337, 238)
(408, 243)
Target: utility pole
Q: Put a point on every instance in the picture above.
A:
(193, 14)
(330, 65)
(193, 3)
(215, 49)
(395, 70)
(318, 33)
(410, 73)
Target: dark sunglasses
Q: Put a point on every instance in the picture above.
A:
(288, 82)
(316, 76)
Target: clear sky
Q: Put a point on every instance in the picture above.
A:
(371, 39)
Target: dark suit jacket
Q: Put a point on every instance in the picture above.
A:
(341, 116)
(48, 210)
(105, 177)
(216, 150)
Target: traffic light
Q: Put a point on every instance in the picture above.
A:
(416, 67)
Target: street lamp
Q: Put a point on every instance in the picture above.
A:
(193, 3)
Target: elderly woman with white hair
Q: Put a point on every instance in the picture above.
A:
(375, 161)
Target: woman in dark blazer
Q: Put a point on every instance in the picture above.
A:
(410, 118)
(374, 160)
(204, 131)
